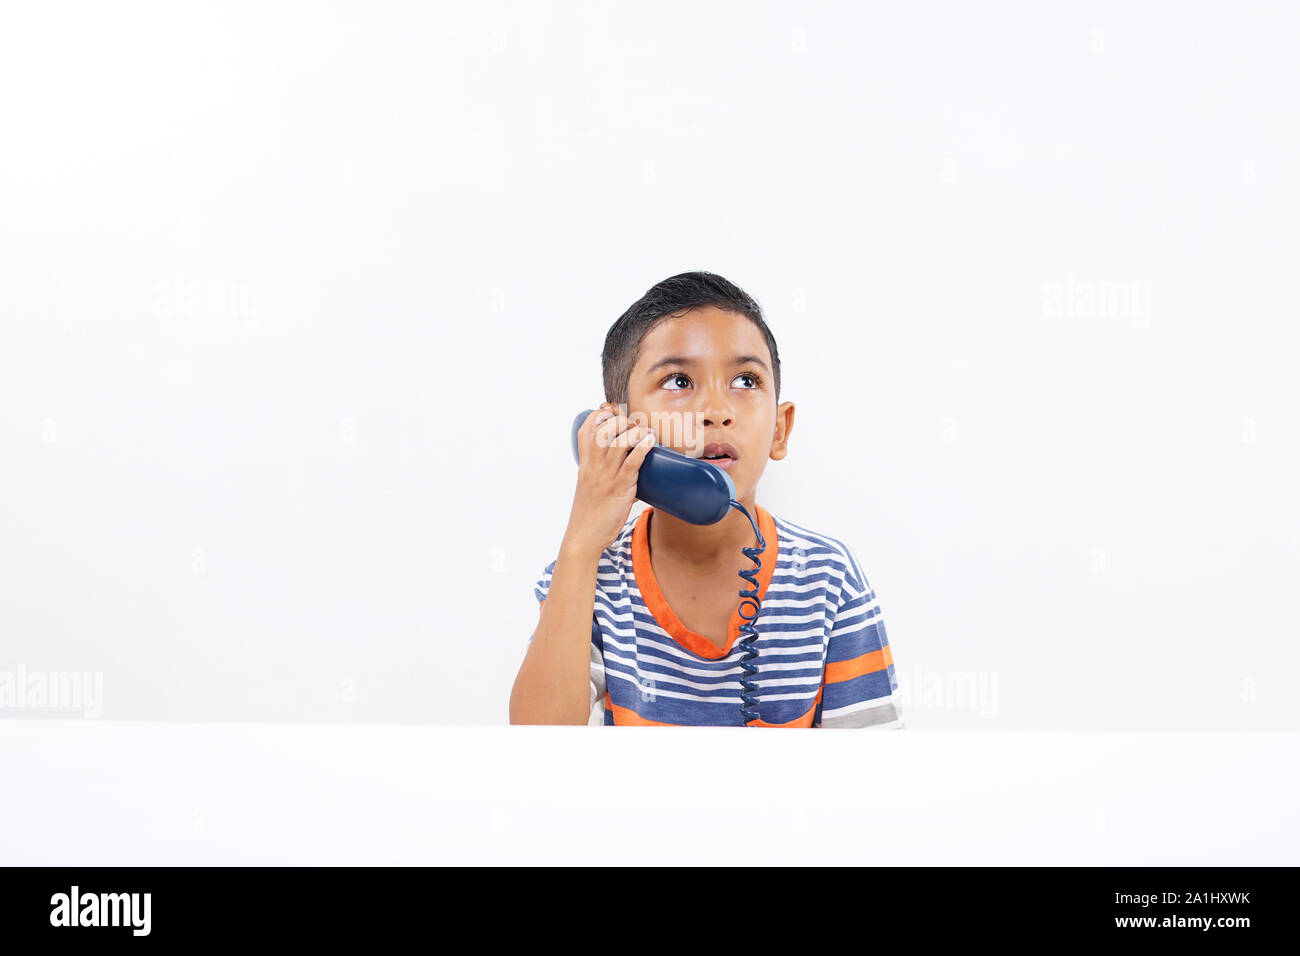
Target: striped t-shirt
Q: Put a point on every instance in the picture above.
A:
(823, 659)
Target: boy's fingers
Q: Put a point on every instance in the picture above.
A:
(592, 425)
(588, 429)
(594, 418)
(635, 436)
(609, 430)
(631, 466)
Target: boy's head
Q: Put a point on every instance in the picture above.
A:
(695, 351)
(671, 297)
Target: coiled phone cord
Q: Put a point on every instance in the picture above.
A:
(748, 687)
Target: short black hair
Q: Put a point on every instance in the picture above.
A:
(665, 299)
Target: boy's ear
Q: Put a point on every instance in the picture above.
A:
(781, 434)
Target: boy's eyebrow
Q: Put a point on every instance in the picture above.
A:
(683, 360)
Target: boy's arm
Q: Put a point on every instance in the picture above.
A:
(596, 688)
(860, 688)
(554, 683)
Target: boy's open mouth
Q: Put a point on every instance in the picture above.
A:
(719, 452)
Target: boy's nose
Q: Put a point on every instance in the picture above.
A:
(715, 415)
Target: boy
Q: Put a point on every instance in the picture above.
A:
(639, 617)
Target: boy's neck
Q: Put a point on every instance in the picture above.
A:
(704, 547)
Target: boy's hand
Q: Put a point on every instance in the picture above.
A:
(610, 455)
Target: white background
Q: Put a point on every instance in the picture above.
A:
(299, 300)
(126, 793)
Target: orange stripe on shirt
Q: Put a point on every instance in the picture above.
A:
(803, 720)
(857, 666)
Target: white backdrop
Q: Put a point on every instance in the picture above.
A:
(299, 300)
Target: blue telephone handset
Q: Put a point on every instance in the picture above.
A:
(686, 488)
(700, 493)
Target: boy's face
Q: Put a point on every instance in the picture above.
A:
(706, 376)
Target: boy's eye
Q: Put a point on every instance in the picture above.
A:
(676, 376)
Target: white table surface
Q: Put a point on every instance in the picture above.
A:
(105, 793)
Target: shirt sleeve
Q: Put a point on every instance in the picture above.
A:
(596, 683)
(859, 687)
